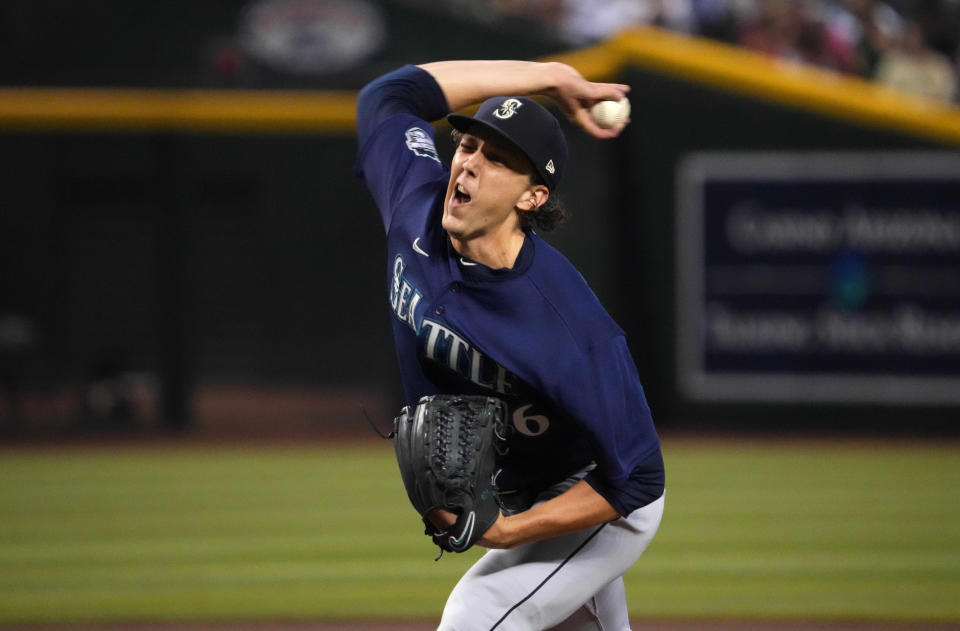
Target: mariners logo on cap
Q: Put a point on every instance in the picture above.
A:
(507, 109)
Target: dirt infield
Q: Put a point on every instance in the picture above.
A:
(638, 625)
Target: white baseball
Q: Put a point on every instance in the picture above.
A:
(611, 113)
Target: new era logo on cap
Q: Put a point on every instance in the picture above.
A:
(528, 126)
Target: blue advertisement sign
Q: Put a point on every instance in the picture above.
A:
(819, 277)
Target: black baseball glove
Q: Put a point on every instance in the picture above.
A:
(446, 447)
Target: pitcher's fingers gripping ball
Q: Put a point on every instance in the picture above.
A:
(611, 113)
(446, 448)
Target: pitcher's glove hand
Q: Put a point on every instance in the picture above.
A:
(446, 447)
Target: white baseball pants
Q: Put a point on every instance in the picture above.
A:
(569, 583)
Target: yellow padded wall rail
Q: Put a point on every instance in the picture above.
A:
(695, 59)
(176, 110)
(805, 87)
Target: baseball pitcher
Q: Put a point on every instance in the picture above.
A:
(526, 429)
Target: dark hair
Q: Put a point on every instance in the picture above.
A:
(547, 217)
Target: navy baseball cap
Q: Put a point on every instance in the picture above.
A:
(527, 125)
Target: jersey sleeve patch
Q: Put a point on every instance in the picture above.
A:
(421, 144)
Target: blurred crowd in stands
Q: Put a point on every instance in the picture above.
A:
(911, 45)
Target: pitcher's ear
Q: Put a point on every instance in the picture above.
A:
(534, 197)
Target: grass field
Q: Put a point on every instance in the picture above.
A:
(753, 530)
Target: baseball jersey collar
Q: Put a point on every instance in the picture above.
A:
(468, 270)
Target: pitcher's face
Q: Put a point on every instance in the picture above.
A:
(490, 181)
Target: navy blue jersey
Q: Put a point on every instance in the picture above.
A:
(534, 334)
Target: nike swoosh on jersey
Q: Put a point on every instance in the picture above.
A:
(464, 261)
(418, 249)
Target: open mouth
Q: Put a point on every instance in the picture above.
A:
(460, 195)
